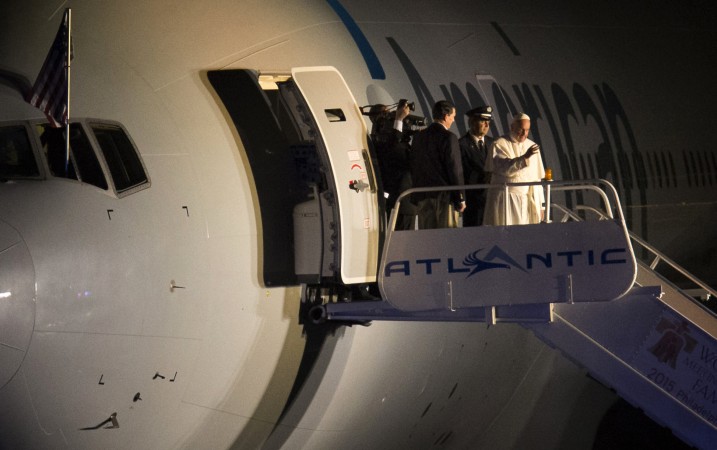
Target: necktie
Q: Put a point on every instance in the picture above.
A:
(481, 146)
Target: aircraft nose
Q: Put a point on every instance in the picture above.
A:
(17, 301)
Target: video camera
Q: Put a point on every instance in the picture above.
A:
(383, 116)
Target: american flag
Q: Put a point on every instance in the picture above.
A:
(50, 91)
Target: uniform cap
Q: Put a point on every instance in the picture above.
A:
(482, 112)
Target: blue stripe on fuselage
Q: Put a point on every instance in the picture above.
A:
(374, 65)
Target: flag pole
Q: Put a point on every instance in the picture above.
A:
(67, 71)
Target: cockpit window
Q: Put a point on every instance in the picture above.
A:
(82, 158)
(16, 157)
(122, 159)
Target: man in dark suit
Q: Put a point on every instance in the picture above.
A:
(435, 160)
(475, 146)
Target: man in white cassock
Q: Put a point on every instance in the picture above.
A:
(515, 159)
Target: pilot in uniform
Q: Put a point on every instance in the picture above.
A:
(474, 151)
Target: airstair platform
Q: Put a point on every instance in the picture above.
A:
(576, 283)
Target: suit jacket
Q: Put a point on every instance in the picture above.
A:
(392, 157)
(435, 160)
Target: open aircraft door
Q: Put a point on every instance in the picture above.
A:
(343, 130)
(306, 142)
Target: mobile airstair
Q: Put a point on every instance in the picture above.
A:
(573, 280)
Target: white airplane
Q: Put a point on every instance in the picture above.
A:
(149, 300)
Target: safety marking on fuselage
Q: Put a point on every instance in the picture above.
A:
(111, 423)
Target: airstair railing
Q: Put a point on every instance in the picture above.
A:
(592, 185)
(595, 186)
(537, 263)
(608, 210)
(656, 255)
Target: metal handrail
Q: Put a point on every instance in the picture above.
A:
(659, 256)
(591, 185)
(594, 210)
(560, 185)
(397, 241)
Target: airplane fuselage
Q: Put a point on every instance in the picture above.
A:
(143, 318)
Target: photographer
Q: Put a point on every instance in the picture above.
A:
(392, 147)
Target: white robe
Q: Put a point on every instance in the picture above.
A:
(506, 165)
